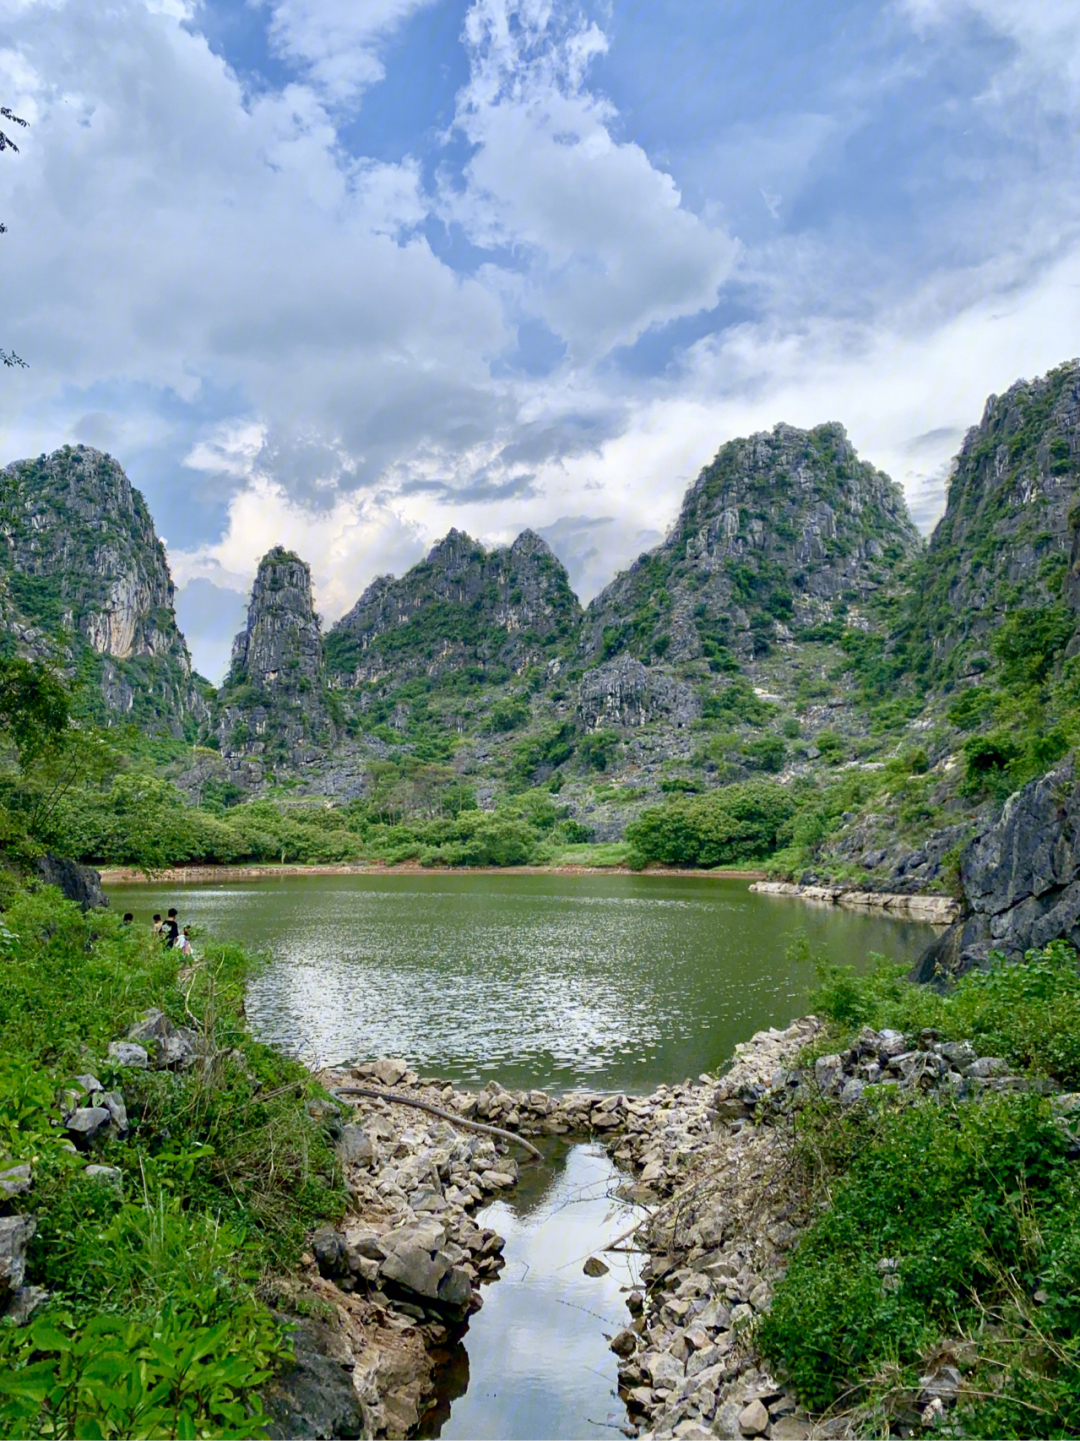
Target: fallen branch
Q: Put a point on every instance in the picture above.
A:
(436, 1111)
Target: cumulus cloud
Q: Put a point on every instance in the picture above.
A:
(607, 247)
(338, 41)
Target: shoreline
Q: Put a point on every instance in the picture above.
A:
(196, 875)
(935, 910)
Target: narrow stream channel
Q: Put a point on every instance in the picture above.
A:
(535, 1362)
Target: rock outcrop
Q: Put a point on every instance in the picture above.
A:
(1008, 533)
(625, 693)
(1021, 879)
(785, 530)
(273, 709)
(464, 606)
(82, 571)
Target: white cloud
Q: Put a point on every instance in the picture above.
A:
(338, 41)
(607, 249)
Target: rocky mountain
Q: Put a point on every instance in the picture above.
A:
(84, 579)
(784, 532)
(464, 607)
(1009, 537)
(274, 708)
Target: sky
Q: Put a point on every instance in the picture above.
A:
(340, 274)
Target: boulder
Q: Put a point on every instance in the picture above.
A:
(87, 1123)
(754, 1418)
(106, 1176)
(129, 1053)
(81, 884)
(353, 1147)
(15, 1181)
(1021, 880)
(16, 1232)
(389, 1070)
(169, 1045)
(595, 1267)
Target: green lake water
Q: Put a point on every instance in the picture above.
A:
(614, 982)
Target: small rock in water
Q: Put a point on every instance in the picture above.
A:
(595, 1267)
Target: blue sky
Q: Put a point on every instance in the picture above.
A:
(344, 273)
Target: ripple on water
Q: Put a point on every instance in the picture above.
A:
(613, 981)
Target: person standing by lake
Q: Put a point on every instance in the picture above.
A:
(157, 924)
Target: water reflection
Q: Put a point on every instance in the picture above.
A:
(538, 1352)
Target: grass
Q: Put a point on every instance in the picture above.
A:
(222, 1175)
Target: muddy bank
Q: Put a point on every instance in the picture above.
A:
(938, 910)
(197, 875)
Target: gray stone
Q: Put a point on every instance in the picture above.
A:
(754, 1419)
(455, 1288)
(15, 1181)
(113, 1102)
(625, 1343)
(16, 1232)
(24, 1303)
(129, 1053)
(988, 1066)
(105, 1176)
(168, 1044)
(87, 1123)
(663, 1369)
(389, 1070)
(78, 883)
(87, 1084)
(353, 1147)
(1021, 878)
(595, 1267)
(414, 1267)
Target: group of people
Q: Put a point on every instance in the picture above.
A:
(168, 931)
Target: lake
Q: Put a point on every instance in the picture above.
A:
(613, 982)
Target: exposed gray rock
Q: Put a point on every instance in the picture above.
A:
(353, 1148)
(78, 883)
(110, 1176)
(87, 1123)
(1021, 878)
(16, 1233)
(15, 1181)
(314, 1397)
(625, 693)
(129, 1053)
(24, 1303)
(169, 1045)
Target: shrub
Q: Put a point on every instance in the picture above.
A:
(739, 822)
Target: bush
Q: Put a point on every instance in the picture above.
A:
(739, 822)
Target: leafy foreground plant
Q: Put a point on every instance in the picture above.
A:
(945, 1218)
(155, 1324)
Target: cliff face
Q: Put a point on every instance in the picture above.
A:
(83, 570)
(273, 709)
(1007, 537)
(462, 606)
(785, 530)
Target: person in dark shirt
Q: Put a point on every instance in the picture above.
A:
(170, 931)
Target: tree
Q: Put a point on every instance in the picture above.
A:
(9, 357)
